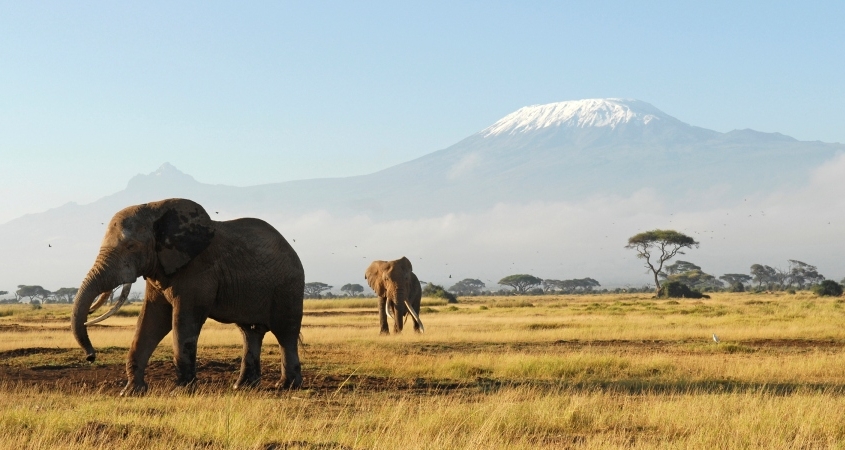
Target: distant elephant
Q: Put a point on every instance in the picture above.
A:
(399, 293)
(238, 271)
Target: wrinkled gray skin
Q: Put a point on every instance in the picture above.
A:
(239, 271)
(399, 293)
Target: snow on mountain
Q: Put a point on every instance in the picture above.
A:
(594, 112)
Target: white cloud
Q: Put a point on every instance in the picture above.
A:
(464, 166)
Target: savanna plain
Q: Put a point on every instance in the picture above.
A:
(587, 371)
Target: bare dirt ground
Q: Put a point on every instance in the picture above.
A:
(61, 369)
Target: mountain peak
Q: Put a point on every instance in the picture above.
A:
(166, 170)
(587, 113)
(166, 174)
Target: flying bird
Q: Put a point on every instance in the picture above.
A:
(715, 338)
(48, 245)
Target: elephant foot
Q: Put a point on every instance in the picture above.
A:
(186, 380)
(247, 383)
(384, 332)
(294, 382)
(133, 389)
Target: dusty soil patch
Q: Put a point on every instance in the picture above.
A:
(366, 312)
(64, 369)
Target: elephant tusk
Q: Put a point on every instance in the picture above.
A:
(415, 316)
(124, 294)
(387, 310)
(101, 300)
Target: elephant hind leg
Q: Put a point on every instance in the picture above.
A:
(251, 360)
(291, 367)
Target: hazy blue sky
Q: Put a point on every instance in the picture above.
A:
(92, 93)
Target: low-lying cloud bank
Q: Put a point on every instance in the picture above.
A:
(587, 238)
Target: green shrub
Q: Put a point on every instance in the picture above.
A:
(737, 287)
(676, 289)
(433, 290)
(828, 288)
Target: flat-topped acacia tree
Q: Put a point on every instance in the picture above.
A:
(663, 245)
(521, 282)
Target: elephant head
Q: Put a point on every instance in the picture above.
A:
(153, 240)
(396, 282)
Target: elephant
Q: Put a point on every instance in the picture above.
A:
(399, 293)
(237, 271)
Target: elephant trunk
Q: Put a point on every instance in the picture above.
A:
(400, 301)
(96, 283)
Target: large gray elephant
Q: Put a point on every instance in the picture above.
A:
(238, 271)
(399, 293)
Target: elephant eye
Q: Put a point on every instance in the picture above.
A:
(131, 246)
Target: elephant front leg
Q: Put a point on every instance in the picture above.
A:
(251, 360)
(382, 315)
(186, 333)
(154, 323)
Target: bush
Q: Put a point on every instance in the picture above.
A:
(435, 291)
(737, 287)
(828, 288)
(676, 289)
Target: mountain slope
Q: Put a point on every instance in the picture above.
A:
(565, 151)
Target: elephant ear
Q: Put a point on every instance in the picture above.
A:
(182, 231)
(403, 263)
(373, 277)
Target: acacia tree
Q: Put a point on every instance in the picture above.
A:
(662, 245)
(32, 292)
(763, 274)
(313, 289)
(352, 289)
(468, 286)
(678, 267)
(802, 274)
(570, 286)
(736, 281)
(520, 282)
(65, 295)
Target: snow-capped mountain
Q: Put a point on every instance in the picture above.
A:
(594, 112)
(558, 151)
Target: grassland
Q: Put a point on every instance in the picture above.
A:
(604, 371)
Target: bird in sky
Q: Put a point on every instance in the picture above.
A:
(48, 245)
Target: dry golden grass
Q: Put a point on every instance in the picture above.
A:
(608, 371)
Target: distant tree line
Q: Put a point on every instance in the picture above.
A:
(797, 276)
(35, 294)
